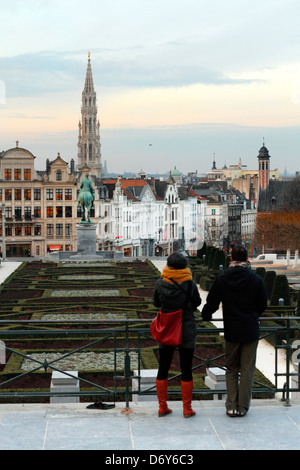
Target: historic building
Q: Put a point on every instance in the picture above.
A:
(249, 182)
(38, 207)
(89, 147)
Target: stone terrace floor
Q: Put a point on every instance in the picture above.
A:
(269, 425)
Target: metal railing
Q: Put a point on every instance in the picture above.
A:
(127, 337)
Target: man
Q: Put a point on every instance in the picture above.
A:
(244, 299)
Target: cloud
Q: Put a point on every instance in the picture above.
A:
(46, 72)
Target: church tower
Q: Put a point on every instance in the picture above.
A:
(263, 167)
(89, 154)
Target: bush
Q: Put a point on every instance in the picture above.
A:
(219, 259)
(269, 282)
(298, 304)
(261, 271)
(211, 257)
(281, 289)
(207, 254)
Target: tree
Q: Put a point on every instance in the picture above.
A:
(279, 229)
(219, 259)
(261, 271)
(281, 290)
(269, 282)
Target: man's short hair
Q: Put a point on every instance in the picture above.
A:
(239, 253)
(177, 261)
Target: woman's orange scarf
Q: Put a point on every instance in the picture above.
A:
(179, 275)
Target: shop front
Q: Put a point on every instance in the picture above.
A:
(18, 250)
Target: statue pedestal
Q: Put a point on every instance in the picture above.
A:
(86, 239)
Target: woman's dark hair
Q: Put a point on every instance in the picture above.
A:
(177, 261)
(239, 253)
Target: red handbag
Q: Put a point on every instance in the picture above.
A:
(166, 328)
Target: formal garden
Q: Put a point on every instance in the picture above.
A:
(49, 310)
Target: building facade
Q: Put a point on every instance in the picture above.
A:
(39, 207)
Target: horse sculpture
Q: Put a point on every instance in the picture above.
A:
(86, 198)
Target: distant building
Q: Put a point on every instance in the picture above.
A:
(249, 182)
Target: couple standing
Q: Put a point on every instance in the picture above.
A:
(244, 299)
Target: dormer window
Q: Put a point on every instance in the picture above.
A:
(58, 175)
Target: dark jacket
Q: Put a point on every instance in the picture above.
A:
(244, 299)
(169, 297)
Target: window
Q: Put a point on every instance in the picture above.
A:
(58, 175)
(68, 194)
(8, 231)
(17, 172)
(8, 212)
(27, 175)
(49, 194)
(59, 194)
(68, 229)
(213, 212)
(37, 194)
(0, 194)
(27, 194)
(28, 230)
(18, 213)
(59, 211)
(59, 229)
(68, 211)
(8, 193)
(38, 230)
(50, 228)
(50, 211)
(18, 230)
(27, 212)
(18, 194)
(7, 174)
(37, 212)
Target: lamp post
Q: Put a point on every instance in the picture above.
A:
(3, 232)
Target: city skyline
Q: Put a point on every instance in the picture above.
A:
(178, 85)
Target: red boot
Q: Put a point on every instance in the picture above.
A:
(187, 393)
(162, 395)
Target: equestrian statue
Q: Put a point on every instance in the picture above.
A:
(86, 199)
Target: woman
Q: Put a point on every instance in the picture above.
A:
(169, 297)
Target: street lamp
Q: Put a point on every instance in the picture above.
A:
(3, 232)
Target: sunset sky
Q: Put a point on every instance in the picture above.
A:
(194, 79)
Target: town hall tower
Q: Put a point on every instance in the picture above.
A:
(89, 154)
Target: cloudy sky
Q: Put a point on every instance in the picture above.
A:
(195, 79)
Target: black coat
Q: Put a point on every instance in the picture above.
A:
(244, 299)
(169, 297)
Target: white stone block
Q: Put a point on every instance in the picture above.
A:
(216, 374)
(147, 380)
(213, 384)
(62, 383)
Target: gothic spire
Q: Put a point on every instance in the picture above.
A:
(89, 128)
